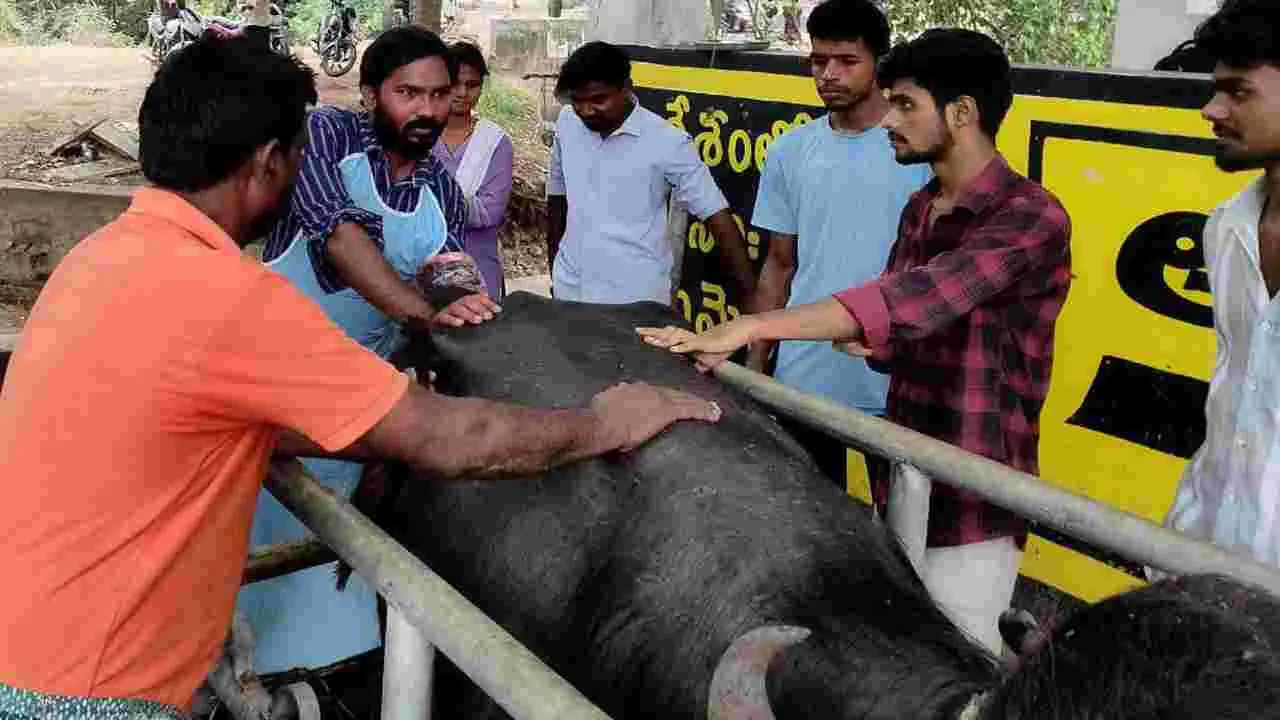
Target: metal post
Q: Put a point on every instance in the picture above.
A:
(1076, 515)
(512, 675)
(408, 670)
(908, 512)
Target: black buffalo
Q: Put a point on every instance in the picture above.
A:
(632, 576)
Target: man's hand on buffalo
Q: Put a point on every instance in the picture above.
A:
(711, 347)
(629, 414)
(467, 310)
(823, 320)
(452, 280)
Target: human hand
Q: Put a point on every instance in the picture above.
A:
(470, 309)
(711, 347)
(630, 414)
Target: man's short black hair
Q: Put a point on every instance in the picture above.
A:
(212, 104)
(594, 62)
(1243, 34)
(465, 53)
(850, 20)
(950, 63)
(398, 47)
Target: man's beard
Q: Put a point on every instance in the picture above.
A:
(846, 101)
(1230, 159)
(930, 154)
(401, 141)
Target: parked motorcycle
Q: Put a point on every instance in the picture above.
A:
(335, 40)
(172, 26)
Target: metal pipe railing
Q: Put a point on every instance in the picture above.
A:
(512, 675)
(408, 670)
(1076, 515)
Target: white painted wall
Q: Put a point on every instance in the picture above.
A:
(648, 22)
(1146, 30)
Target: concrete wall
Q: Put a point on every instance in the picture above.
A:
(656, 23)
(39, 224)
(523, 45)
(1146, 30)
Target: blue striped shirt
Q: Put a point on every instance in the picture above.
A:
(319, 203)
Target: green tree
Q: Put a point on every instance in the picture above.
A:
(1049, 32)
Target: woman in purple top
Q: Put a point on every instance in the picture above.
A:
(479, 155)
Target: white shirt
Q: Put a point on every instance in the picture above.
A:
(615, 247)
(1230, 492)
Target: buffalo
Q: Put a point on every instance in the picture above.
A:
(716, 573)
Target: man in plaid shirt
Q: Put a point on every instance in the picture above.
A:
(963, 318)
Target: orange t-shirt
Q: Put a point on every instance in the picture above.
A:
(136, 422)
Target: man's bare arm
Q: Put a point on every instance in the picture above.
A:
(772, 291)
(557, 219)
(733, 251)
(451, 437)
(362, 266)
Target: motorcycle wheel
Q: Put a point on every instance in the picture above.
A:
(339, 58)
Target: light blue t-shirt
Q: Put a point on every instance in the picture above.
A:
(842, 196)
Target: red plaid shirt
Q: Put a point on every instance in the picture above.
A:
(965, 314)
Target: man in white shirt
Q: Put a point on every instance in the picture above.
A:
(614, 167)
(1230, 492)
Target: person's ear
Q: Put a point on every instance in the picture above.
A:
(962, 112)
(269, 161)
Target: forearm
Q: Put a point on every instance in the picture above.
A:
(363, 268)
(825, 320)
(495, 440)
(772, 289)
(557, 220)
(733, 251)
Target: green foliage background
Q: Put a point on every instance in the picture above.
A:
(1056, 32)
(1047, 32)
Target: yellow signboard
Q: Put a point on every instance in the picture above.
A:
(1131, 160)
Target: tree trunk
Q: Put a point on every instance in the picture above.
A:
(426, 13)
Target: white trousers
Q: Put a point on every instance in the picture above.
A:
(973, 583)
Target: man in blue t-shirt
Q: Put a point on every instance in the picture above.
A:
(831, 195)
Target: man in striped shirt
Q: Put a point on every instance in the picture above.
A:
(374, 236)
(406, 81)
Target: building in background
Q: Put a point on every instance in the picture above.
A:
(1148, 30)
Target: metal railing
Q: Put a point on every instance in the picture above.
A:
(1124, 533)
(512, 675)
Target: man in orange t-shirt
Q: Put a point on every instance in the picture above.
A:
(159, 371)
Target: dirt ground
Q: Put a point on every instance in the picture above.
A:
(46, 92)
